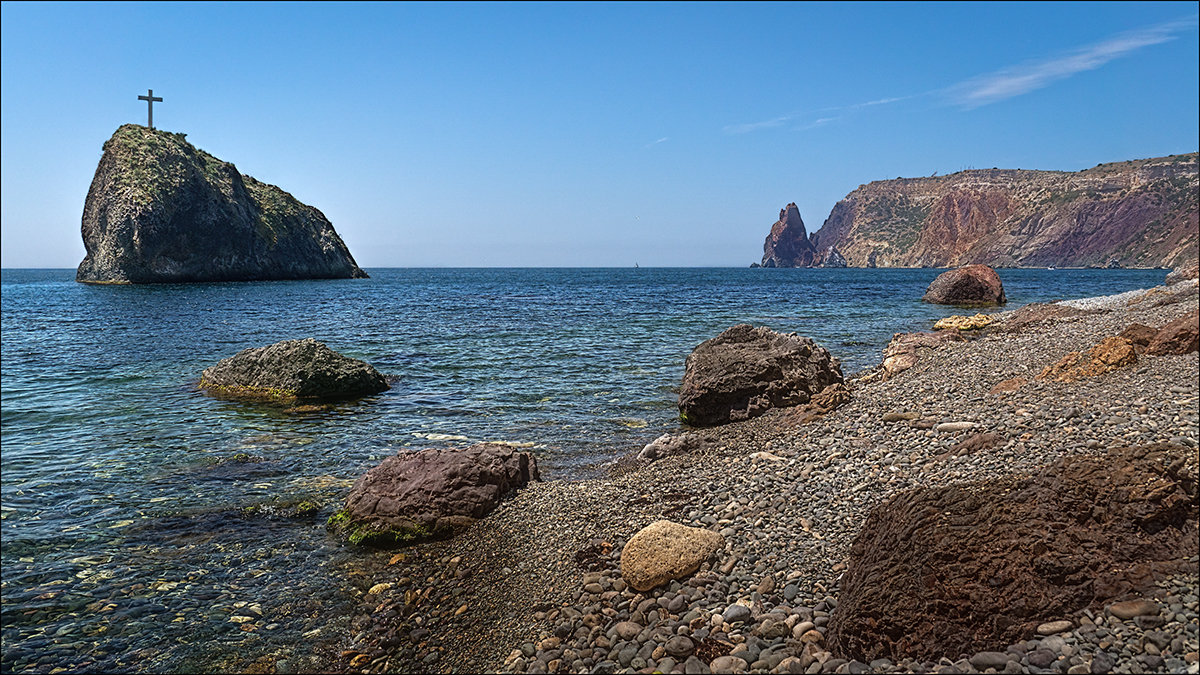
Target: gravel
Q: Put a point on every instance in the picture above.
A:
(535, 586)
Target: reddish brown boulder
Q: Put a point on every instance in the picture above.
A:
(747, 370)
(974, 285)
(431, 493)
(957, 570)
(1181, 336)
(1140, 335)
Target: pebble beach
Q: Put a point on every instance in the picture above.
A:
(536, 585)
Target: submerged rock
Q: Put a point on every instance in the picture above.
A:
(289, 370)
(160, 210)
(745, 371)
(663, 551)
(431, 493)
(970, 285)
(971, 567)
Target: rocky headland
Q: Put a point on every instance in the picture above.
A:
(1138, 213)
(160, 210)
(1081, 491)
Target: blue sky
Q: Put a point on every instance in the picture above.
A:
(580, 134)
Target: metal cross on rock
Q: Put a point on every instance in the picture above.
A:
(150, 98)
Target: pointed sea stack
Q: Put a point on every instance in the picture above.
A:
(788, 244)
(162, 211)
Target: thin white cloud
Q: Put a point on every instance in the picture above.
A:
(817, 123)
(651, 144)
(755, 126)
(784, 119)
(1009, 82)
(1022, 79)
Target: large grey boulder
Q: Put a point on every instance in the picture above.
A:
(432, 493)
(160, 210)
(289, 370)
(748, 370)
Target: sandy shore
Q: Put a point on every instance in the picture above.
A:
(535, 587)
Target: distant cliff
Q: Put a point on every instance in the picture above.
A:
(160, 210)
(1139, 213)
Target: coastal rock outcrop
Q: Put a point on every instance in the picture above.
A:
(1186, 271)
(833, 258)
(289, 370)
(1181, 336)
(973, 567)
(747, 370)
(432, 493)
(975, 285)
(1138, 213)
(1109, 354)
(160, 210)
(788, 245)
(663, 551)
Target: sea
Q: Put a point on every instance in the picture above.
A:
(137, 528)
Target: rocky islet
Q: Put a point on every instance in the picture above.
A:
(160, 210)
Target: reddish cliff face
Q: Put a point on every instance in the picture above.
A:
(1140, 213)
(788, 244)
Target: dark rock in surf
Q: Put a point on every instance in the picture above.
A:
(291, 370)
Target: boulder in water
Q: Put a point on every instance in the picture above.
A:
(973, 285)
(432, 493)
(290, 370)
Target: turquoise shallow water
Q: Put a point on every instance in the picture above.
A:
(125, 545)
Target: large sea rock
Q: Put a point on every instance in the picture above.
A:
(747, 370)
(432, 493)
(972, 567)
(289, 370)
(788, 244)
(973, 285)
(162, 211)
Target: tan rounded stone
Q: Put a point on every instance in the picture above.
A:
(664, 551)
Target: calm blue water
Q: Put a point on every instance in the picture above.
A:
(123, 542)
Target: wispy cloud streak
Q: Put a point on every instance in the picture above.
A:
(1022, 79)
(1006, 83)
(784, 119)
